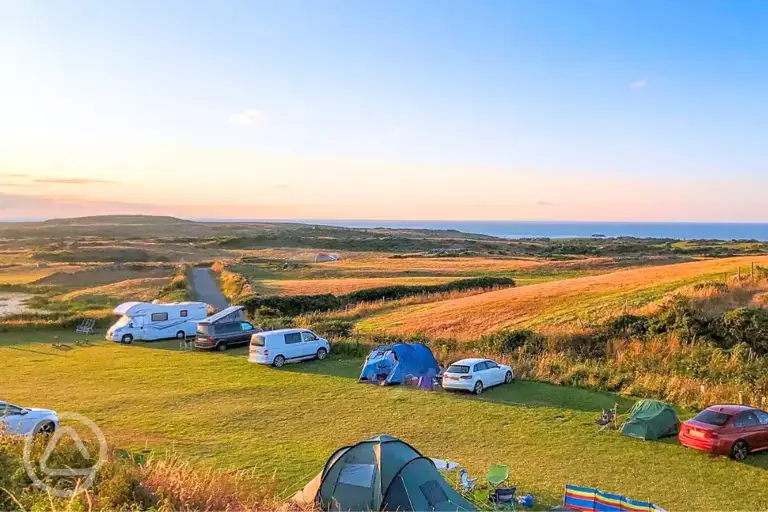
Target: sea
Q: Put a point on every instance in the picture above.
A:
(536, 229)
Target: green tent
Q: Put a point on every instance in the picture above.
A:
(382, 473)
(650, 419)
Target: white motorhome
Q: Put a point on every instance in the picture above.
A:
(153, 321)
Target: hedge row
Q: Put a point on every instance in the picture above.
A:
(300, 304)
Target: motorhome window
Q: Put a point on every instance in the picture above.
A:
(309, 336)
(124, 320)
(183, 313)
(294, 337)
(159, 317)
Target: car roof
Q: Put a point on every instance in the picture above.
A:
(283, 331)
(471, 360)
(730, 408)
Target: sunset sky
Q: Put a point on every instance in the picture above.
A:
(372, 109)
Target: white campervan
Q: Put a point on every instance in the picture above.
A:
(153, 321)
(284, 345)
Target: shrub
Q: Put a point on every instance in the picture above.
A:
(748, 326)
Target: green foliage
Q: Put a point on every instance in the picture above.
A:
(295, 305)
(748, 326)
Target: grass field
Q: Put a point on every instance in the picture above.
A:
(26, 274)
(220, 410)
(342, 286)
(145, 289)
(550, 304)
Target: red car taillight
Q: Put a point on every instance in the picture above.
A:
(711, 435)
(466, 377)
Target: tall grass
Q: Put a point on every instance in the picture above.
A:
(130, 482)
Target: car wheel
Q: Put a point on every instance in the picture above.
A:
(321, 353)
(46, 429)
(181, 335)
(127, 339)
(278, 362)
(478, 388)
(221, 347)
(508, 378)
(740, 450)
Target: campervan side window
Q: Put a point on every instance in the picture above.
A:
(294, 337)
(183, 313)
(159, 317)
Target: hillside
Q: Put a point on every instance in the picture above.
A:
(549, 305)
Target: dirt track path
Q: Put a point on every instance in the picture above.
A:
(206, 288)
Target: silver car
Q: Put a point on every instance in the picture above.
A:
(31, 421)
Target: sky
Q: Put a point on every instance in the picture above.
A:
(385, 109)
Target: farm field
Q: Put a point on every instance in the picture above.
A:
(552, 304)
(218, 409)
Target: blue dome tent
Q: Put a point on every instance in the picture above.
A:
(390, 364)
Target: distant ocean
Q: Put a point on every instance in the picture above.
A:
(504, 229)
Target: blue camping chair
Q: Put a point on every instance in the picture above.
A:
(467, 484)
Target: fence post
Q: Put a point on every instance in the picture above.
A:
(752, 273)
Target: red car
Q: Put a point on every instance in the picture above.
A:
(734, 430)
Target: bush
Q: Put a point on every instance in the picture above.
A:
(301, 304)
(508, 341)
(748, 326)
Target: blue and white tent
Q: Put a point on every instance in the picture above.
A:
(390, 364)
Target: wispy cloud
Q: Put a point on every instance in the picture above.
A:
(13, 175)
(639, 84)
(544, 203)
(6, 184)
(72, 181)
(248, 117)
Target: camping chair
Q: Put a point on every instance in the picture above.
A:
(467, 484)
(503, 499)
(497, 475)
(608, 419)
(86, 327)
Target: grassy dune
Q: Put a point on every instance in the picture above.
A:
(219, 410)
(552, 304)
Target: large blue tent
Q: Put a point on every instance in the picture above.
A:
(390, 364)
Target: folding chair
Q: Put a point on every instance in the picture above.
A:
(86, 327)
(467, 484)
(497, 475)
(503, 499)
(608, 419)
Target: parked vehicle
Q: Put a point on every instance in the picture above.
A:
(735, 430)
(154, 321)
(15, 419)
(476, 375)
(284, 345)
(225, 329)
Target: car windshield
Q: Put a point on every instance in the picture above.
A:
(258, 340)
(712, 418)
(457, 368)
(202, 329)
(123, 321)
